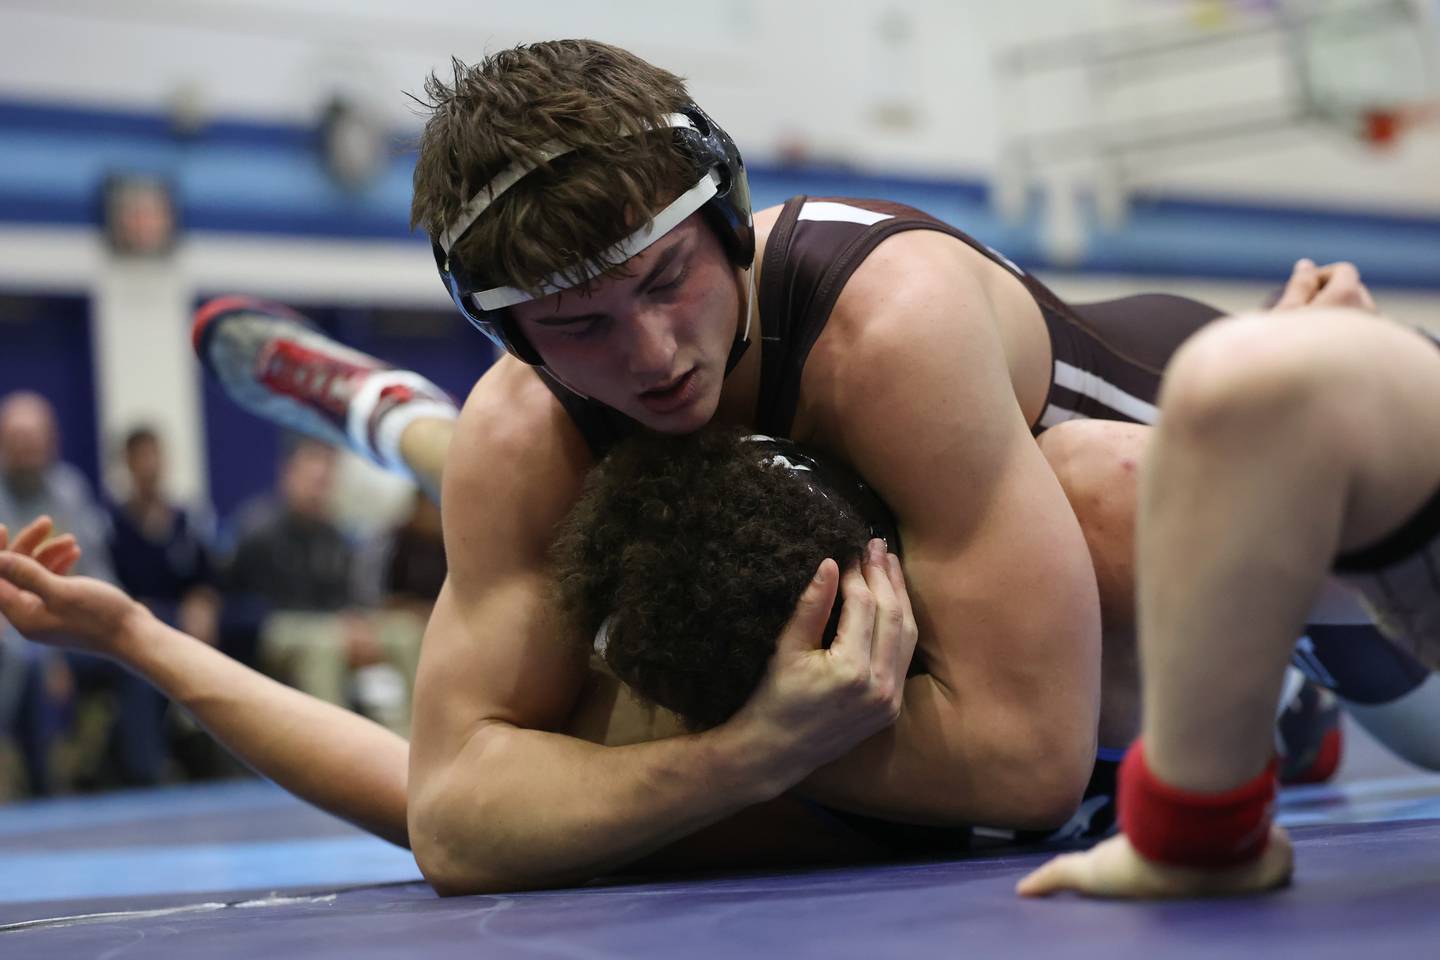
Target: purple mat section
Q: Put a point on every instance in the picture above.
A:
(1366, 891)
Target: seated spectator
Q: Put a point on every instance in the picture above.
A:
(294, 569)
(37, 684)
(402, 573)
(161, 554)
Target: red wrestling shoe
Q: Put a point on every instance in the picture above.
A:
(1310, 739)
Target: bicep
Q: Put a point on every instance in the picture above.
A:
(1009, 592)
(1001, 726)
(995, 562)
(494, 652)
(495, 658)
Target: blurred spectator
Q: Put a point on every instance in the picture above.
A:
(162, 558)
(405, 569)
(36, 683)
(402, 573)
(295, 571)
(161, 550)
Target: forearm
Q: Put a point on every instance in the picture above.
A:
(325, 755)
(949, 760)
(527, 809)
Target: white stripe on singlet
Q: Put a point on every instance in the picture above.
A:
(829, 210)
(1089, 385)
(1054, 415)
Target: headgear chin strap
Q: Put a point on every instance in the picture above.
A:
(742, 334)
(721, 190)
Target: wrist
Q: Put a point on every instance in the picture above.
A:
(134, 627)
(744, 756)
(1186, 828)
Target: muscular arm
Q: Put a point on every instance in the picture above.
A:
(1002, 728)
(498, 798)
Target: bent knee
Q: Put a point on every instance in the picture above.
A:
(1245, 372)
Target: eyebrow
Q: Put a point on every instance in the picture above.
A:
(661, 265)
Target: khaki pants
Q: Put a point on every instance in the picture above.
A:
(308, 651)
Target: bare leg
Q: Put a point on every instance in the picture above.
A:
(1284, 440)
(424, 445)
(274, 364)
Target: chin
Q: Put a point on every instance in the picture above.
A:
(681, 422)
(694, 416)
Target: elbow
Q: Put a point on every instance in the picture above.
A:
(454, 876)
(451, 869)
(1051, 805)
(454, 861)
(437, 854)
(1054, 780)
(446, 877)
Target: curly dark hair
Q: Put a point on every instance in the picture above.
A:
(696, 549)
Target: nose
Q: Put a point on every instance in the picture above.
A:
(651, 346)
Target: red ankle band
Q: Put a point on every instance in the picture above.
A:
(1187, 829)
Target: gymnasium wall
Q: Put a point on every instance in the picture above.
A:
(923, 101)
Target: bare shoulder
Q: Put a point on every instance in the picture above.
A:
(915, 325)
(916, 285)
(764, 223)
(492, 652)
(515, 467)
(765, 219)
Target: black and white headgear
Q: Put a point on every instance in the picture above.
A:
(721, 189)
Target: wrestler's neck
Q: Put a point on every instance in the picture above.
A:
(741, 393)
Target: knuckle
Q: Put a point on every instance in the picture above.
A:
(855, 681)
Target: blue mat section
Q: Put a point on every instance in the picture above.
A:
(137, 806)
(179, 844)
(1367, 801)
(331, 862)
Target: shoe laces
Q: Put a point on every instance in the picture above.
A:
(309, 375)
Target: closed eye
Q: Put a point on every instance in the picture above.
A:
(674, 282)
(582, 327)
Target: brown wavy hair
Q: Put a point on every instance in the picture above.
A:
(696, 551)
(584, 93)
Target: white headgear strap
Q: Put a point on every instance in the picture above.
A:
(500, 297)
(497, 298)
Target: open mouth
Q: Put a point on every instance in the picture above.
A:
(672, 397)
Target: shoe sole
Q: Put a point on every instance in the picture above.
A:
(204, 325)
